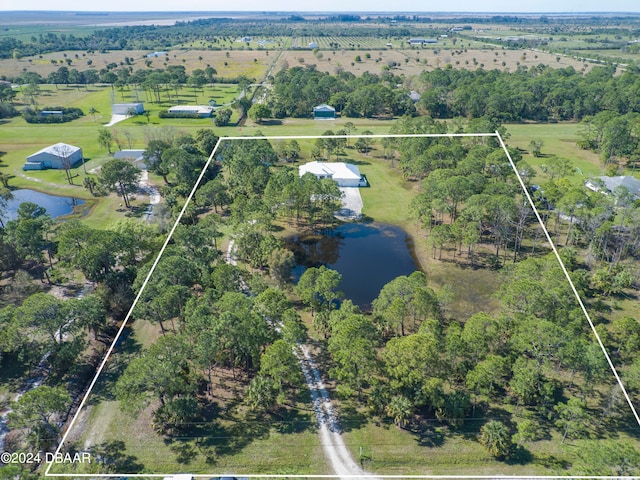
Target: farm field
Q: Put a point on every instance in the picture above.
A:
(413, 61)
(252, 64)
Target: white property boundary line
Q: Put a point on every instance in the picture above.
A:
(166, 242)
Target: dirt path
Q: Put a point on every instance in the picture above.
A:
(151, 190)
(333, 445)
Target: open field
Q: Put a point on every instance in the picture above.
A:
(229, 64)
(559, 140)
(413, 61)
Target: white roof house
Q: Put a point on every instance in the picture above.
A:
(607, 185)
(201, 110)
(345, 174)
(58, 156)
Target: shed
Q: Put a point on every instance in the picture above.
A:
(200, 110)
(324, 112)
(134, 156)
(57, 156)
(127, 108)
(422, 41)
(344, 174)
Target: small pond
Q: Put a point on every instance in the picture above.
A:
(367, 255)
(55, 206)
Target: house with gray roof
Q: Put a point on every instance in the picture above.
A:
(607, 185)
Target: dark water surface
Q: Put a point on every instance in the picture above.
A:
(55, 206)
(368, 255)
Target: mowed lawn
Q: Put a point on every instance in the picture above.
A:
(559, 139)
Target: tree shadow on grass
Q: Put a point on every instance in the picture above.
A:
(137, 211)
(520, 456)
(292, 420)
(111, 455)
(427, 434)
(233, 437)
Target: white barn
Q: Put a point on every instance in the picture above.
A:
(200, 110)
(126, 108)
(344, 174)
(54, 156)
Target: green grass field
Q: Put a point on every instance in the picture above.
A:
(560, 139)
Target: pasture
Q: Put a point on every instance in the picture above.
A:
(253, 64)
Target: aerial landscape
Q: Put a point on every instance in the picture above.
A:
(356, 244)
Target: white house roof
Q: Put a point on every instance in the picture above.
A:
(630, 183)
(199, 109)
(58, 148)
(337, 170)
(324, 108)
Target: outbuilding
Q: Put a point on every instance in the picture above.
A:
(127, 108)
(422, 41)
(59, 156)
(203, 111)
(324, 112)
(344, 174)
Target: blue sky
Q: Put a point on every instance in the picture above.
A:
(329, 5)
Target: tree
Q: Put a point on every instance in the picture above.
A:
(222, 117)
(120, 176)
(46, 314)
(353, 348)
(281, 262)
(318, 288)
(536, 147)
(495, 437)
(279, 363)
(105, 139)
(64, 151)
(90, 183)
(28, 232)
(7, 93)
(89, 313)
(37, 411)
(258, 112)
(92, 111)
(571, 417)
(261, 393)
(400, 409)
(162, 372)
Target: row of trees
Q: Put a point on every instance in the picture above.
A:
(297, 90)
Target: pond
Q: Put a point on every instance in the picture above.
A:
(55, 205)
(367, 255)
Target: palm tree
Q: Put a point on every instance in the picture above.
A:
(89, 183)
(93, 111)
(401, 409)
(495, 436)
